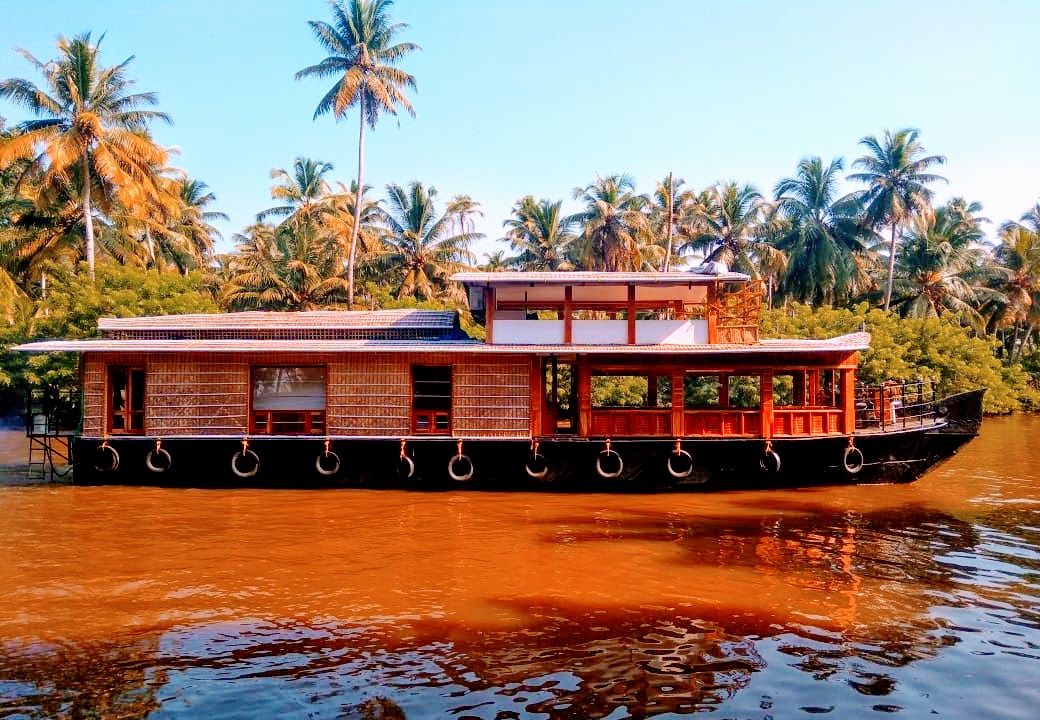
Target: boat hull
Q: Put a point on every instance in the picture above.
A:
(570, 464)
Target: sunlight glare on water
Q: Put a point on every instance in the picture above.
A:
(851, 601)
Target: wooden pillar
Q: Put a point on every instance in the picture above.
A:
(568, 311)
(712, 314)
(584, 396)
(631, 314)
(678, 395)
(848, 400)
(489, 313)
(766, 397)
(537, 396)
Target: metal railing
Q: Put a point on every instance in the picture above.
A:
(52, 411)
(895, 405)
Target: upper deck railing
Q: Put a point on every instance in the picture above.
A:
(616, 308)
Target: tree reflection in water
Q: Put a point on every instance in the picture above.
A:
(843, 595)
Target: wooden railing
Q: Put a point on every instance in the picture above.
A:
(723, 422)
(807, 421)
(622, 422)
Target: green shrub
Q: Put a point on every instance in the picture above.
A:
(905, 349)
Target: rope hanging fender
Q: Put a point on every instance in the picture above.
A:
(405, 465)
(538, 460)
(112, 466)
(327, 453)
(157, 452)
(459, 457)
(852, 459)
(608, 452)
(678, 452)
(770, 461)
(243, 453)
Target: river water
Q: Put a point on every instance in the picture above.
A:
(917, 600)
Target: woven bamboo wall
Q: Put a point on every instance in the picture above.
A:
(185, 395)
(94, 382)
(369, 395)
(492, 398)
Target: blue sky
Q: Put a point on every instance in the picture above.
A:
(538, 97)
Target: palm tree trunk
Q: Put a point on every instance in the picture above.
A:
(88, 219)
(357, 206)
(1017, 348)
(891, 266)
(671, 220)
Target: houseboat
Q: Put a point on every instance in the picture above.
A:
(586, 380)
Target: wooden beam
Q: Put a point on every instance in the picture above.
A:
(537, 397)
(766, 398)
(489, 313)
(584, 396)
(712, 314)
(848, 400)
(568, 310)
(678, 394)
(631, 313)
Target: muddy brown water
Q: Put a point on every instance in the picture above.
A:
(916, 600)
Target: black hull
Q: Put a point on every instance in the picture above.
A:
(892, 456)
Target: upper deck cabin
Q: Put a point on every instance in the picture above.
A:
(614, 308)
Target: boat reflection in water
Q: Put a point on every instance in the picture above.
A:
(124, 602)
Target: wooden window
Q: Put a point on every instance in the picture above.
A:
(288, 401)
(789, 389)
(703, 391)
(632, 391)
(829, 394)
(745, 391)
(619, 391)
(431, 399)
(126, 400)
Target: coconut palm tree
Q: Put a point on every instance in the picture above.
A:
(301, 191)
(496, 261)
(285, 267)
(941, 267)
(362, 56)
(732, 229)
(670, 213)
(540, 234)
(48, 229)
(616, 233)
(423, 250)
(1019, 253)
(336, 220)
(194, 222)
(90, 127)
(820, 234)
(184, 238)
(895, 170)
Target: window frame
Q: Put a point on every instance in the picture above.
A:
(432, 420)
(127, 413)
(313, 422)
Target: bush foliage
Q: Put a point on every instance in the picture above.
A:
(905, 349)
(71, 310)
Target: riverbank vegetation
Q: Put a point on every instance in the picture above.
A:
(95, 220)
